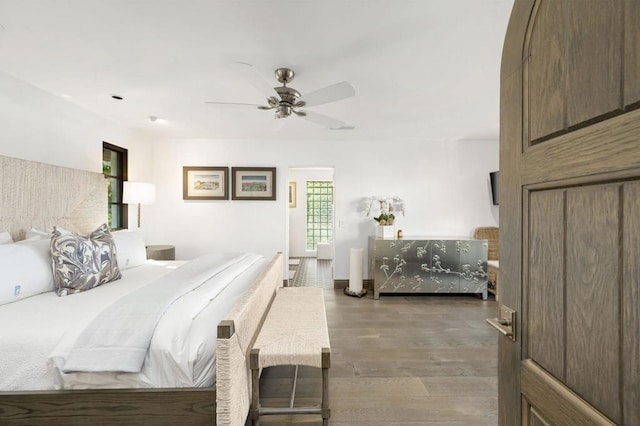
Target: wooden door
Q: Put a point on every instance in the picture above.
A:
(570, 213)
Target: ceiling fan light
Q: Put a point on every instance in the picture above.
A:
(283, 111)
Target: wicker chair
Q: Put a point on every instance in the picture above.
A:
(490, 233)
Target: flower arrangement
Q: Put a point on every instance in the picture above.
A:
(386, 206)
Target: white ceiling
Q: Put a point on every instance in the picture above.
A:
(422, 69)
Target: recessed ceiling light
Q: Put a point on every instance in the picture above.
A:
(118, 97)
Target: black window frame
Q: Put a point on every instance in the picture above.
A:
(123, 211)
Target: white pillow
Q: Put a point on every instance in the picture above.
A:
(36, 234)
(26, 270)
(5, 238)
(130, 248)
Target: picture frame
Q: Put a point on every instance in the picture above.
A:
(292, 195)
(253, 183)
(205, 183)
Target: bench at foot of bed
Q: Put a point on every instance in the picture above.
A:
(294, 333)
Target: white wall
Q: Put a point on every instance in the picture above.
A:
(38, 126)
(298, 215)
(197, 227)
(444, 185)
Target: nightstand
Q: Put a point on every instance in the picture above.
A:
(161, 252)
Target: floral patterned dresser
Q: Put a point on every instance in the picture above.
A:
(428, 265)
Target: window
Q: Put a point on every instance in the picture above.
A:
(114, 167)
(319, 213)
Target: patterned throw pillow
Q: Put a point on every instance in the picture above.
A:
(81, 263)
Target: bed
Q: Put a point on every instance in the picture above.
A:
(175, 384)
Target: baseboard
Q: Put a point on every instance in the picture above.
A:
(368, 284)
(340, 284)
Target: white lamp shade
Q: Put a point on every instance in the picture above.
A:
(138, 193)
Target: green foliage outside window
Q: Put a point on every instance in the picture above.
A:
(106, 169)
(319, 213)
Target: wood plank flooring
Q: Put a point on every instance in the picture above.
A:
(400, 360)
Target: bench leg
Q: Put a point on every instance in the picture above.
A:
(326, 363)
(255, 387)
(293, 388)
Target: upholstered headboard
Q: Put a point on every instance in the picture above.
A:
(38, 195)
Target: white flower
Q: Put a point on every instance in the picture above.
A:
(385, 205)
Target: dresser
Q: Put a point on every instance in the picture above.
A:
(428, 265)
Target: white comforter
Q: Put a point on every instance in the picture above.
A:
(37, 332)
(119, 337)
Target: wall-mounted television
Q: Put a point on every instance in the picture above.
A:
(494, 177)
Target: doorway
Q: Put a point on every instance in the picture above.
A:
(311, 226)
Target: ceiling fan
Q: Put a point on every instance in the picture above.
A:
(287, 100)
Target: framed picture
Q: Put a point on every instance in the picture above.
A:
(205, 183)
(292, 194)
(253, 183)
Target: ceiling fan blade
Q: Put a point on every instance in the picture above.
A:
(324, 120)
(236, 104)
(255, 78)
(332, 93)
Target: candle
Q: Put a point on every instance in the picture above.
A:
(355, 270)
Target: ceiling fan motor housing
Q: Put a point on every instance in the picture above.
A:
(288, 97)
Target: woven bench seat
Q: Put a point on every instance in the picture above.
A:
(294, 332)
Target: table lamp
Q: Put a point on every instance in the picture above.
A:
(138, 193)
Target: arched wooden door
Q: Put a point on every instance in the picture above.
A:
(570, 213)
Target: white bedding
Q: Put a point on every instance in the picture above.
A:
(35, 331)
(119, 337)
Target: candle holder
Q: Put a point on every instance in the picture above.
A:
(357, 294)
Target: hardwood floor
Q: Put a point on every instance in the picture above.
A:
(400, 360)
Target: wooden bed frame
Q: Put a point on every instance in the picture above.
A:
(84, 211)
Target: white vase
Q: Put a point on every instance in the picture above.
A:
(386, 232)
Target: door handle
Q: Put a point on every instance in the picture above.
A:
(506, 324)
